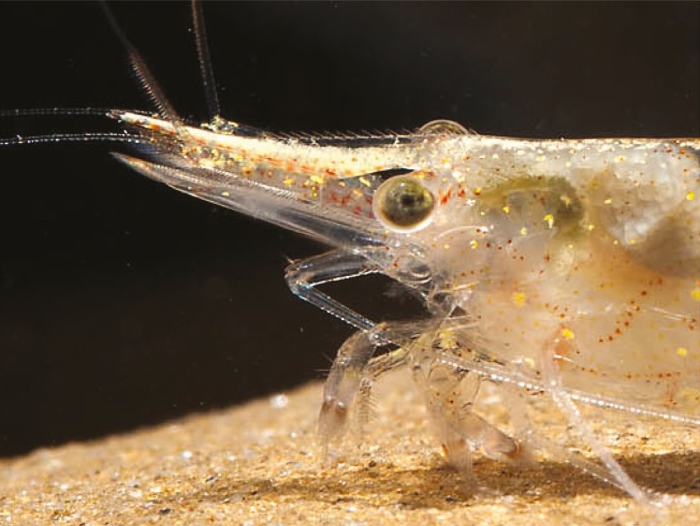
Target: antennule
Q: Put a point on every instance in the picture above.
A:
(143, 74)
(205, 66)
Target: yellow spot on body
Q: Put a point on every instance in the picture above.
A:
(519, 299)
(506, 209)
(474, 244)
(523, 231)
(364, 181)
(568, 334)
(690, 196)
(540, 158)
(448, 340)
(549, 218)
(695, 293)
(316, 179)
(225, 194)
(690, 397)
(288, 181)
(620, 159)
(682, 352)
(591, 227)
(608, 201)
(446, 246)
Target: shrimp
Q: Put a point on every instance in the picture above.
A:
(566, 269)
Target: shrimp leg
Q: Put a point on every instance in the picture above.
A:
(552, 377)
(304, 276)
(349, 373)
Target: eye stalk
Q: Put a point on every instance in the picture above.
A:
(403, 204)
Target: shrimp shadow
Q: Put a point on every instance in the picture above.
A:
(443, 488)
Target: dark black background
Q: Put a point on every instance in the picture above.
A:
(124, 303)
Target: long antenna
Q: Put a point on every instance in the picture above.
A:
(29, 112)
(200, 34)
(22, 140)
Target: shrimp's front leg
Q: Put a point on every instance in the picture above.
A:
(353, 373)
(354, 370)
(347, 377)
(304, 276)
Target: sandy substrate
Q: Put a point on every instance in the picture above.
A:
(259, 464)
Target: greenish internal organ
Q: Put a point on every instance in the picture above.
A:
(530, 205)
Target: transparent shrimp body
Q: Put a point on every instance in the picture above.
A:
(582, 252)
(569, 267)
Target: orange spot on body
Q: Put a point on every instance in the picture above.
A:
(445, 197)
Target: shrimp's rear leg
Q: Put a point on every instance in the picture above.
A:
(614, 473)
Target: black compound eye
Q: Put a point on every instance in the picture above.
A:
(402, 203)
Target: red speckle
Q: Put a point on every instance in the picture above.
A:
(445, 197)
